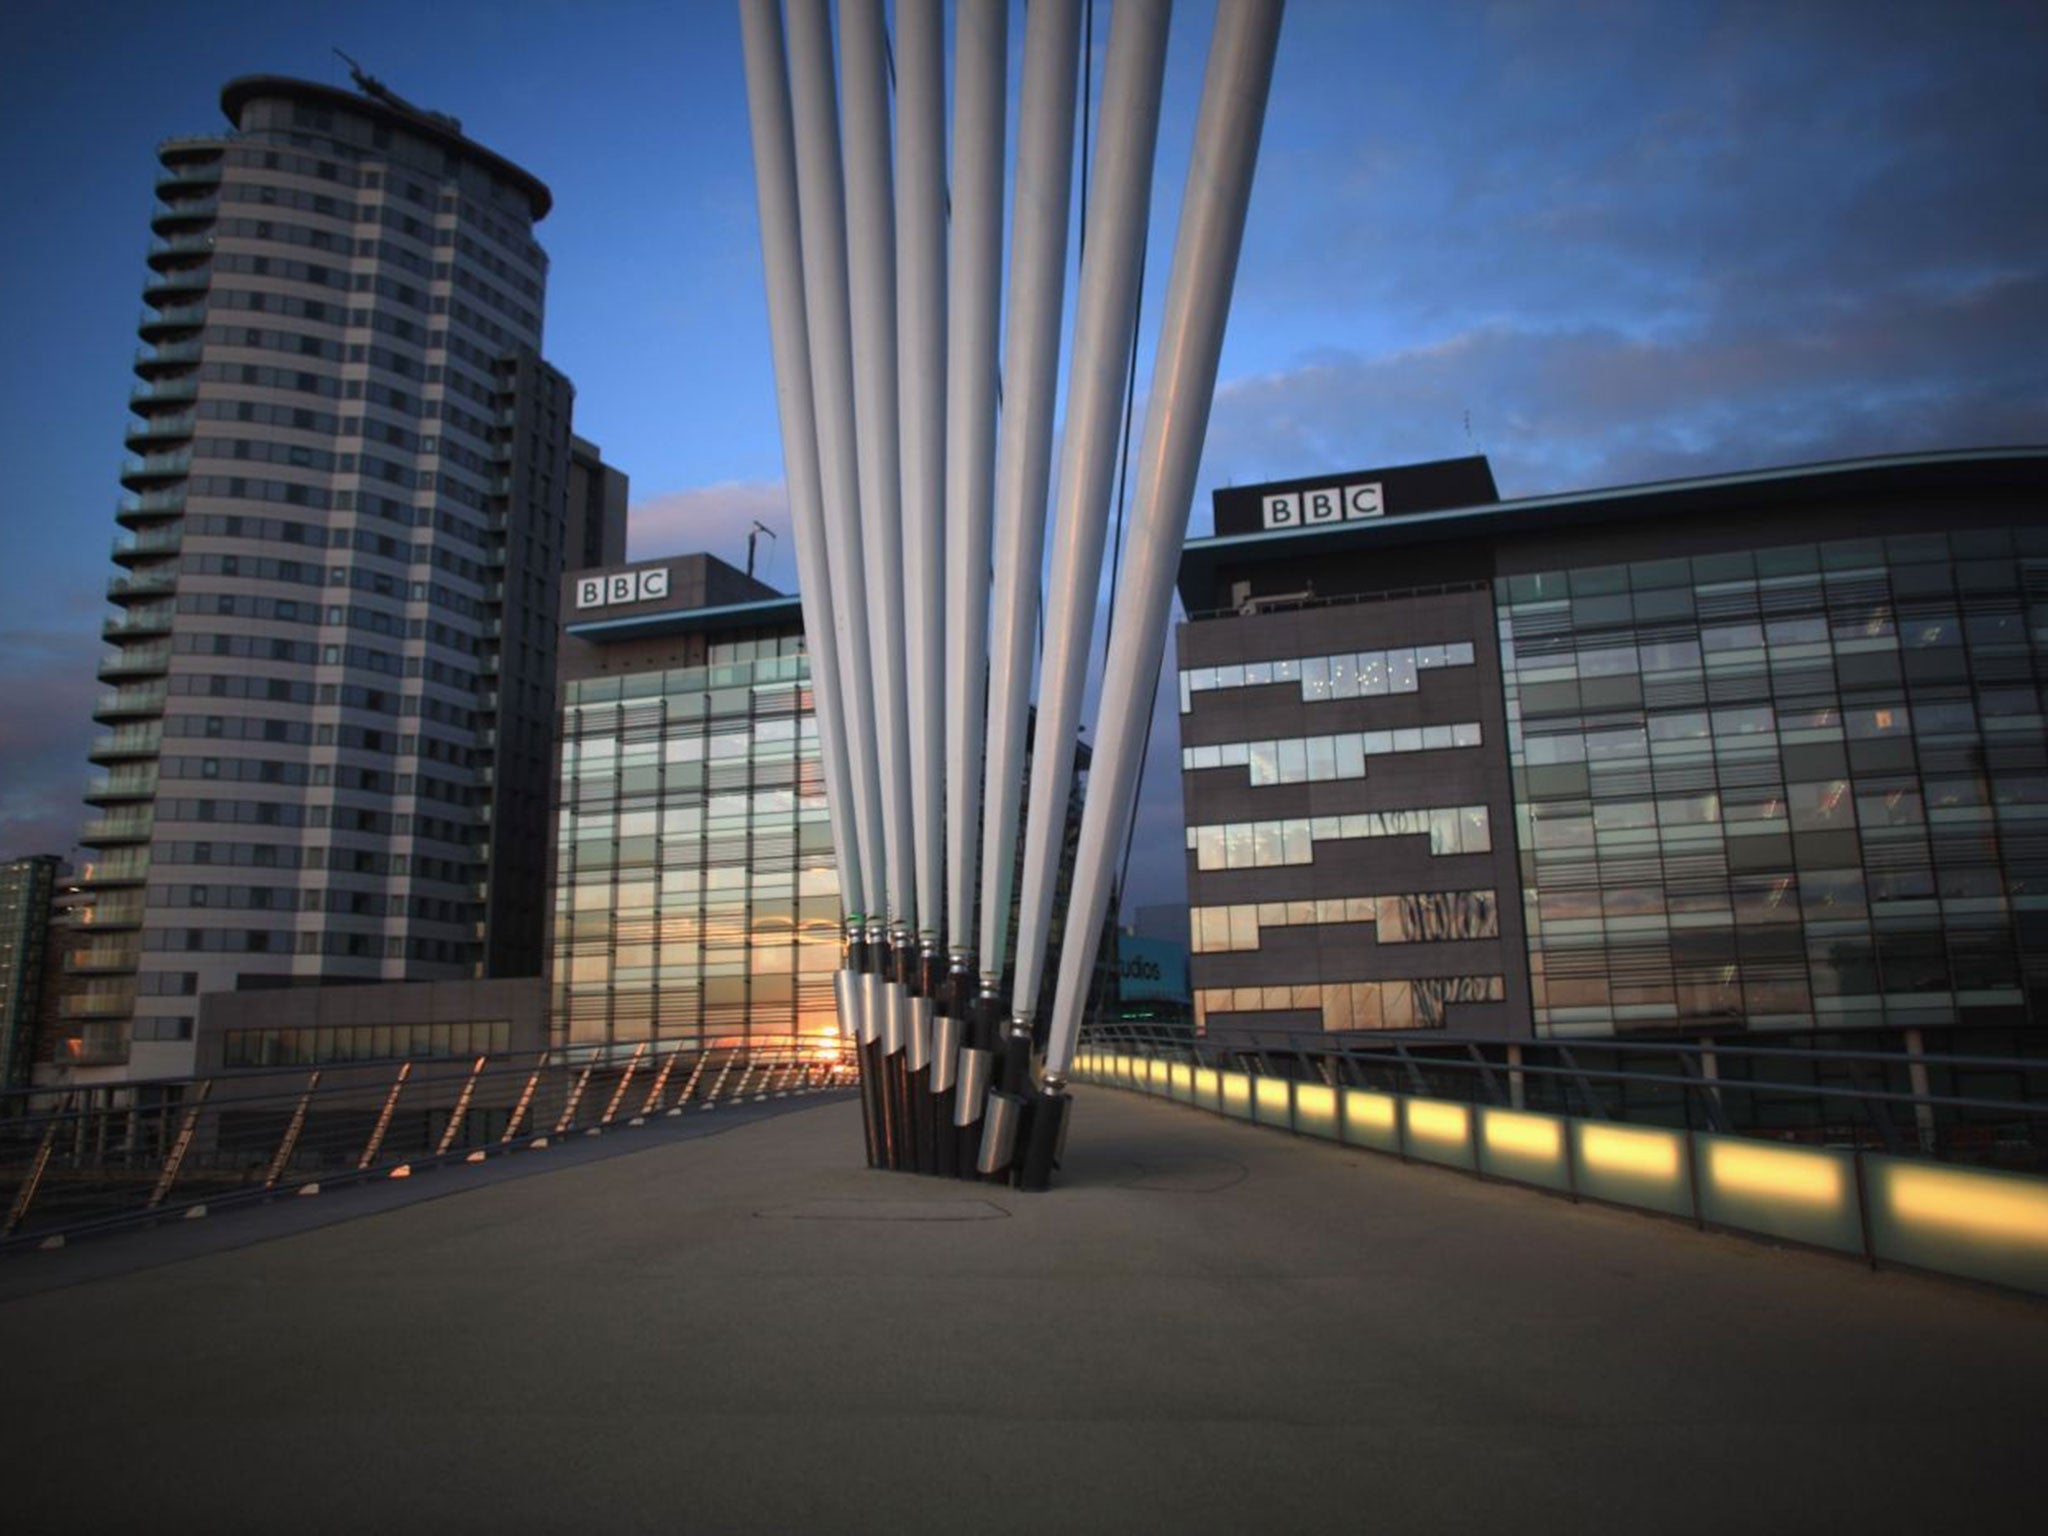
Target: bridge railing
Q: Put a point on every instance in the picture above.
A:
(185, 1148)
(1818, 1147)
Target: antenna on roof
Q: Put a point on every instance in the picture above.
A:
(376, 89)
(753, 534)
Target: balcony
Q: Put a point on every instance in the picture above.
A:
(149, 507)
(95, 1045)
(183, 214)
(162, 392)
(178, 320)
(112, 910)
(157, 432)
(136, 623)
(163, 252)
(128, 784)
(112, 955)
(136, 588)
(151, 467)
(117, 828)
(128, 867)
(102, 1002)
(172, 354)
(175, 283)
(180, 178)
(153, 544)
(127, 742)
(130, 703)
(136, 661)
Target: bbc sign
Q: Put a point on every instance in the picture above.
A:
(621, 587)
(1327, 504)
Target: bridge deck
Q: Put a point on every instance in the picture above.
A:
(1206, 1327)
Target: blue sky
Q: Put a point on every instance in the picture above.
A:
(1602, 243)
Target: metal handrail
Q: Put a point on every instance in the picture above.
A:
(1413, 1060)
(237, 1138)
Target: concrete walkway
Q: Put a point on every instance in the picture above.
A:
(1206, 1327)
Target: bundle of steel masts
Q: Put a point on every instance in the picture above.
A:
(921, 529)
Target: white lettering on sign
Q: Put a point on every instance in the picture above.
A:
(622, 587)
(1325, 504)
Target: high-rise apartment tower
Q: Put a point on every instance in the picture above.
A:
(331, 684)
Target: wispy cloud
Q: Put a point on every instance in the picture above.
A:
(715, 519)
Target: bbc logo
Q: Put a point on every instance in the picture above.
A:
(623, 587)
(1330, 504)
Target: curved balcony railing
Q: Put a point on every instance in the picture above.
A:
(128, 741)
(136, 622)
(149, 545)
(129, 784)
(143, 584)
(129, 703)
(172, 354)
(183, 213)
(151, 467)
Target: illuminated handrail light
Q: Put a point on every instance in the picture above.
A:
(1437, 1122)
(1638, 1154)
(1272, 1095)
(1517, 1135)
(1970, 1202)
(1785, 1173)
(1371, 1109)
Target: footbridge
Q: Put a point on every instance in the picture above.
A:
(718, 1321)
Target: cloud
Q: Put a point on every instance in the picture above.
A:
(46, 678)
(715, 519)
(1590, 406)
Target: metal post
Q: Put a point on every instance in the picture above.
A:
(1031, 354)
(921, 345)
(1104, 337)
(376, 1141)
(654, 1092)
(625, 1082)
(871, 273)
(575, 1098)
(526, 1094)
(973, 295)
(821, 211)
(456, 1115)
(188, 1125)
(775, 183)
(1918, 1080)
(282, 1158)
(1190, 343)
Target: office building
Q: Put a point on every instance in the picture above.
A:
(1760, 752)
(330, 694)
(695, 892)
(27, 888)
(696, 898)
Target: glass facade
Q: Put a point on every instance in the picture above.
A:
(696, 898)
(1797, 787)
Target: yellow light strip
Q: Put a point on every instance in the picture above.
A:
(1967, 1202)
(1373, 1109)
(1784, 1173)
(1523, 1135)
(1437, 1122)
(1639, 1154)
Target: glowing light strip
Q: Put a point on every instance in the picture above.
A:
(1635, 1154)
(1523, 1135)
(1961, 1201)
(1783, 1173)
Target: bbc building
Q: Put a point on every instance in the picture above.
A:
(695, 895)
(1760, 752)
